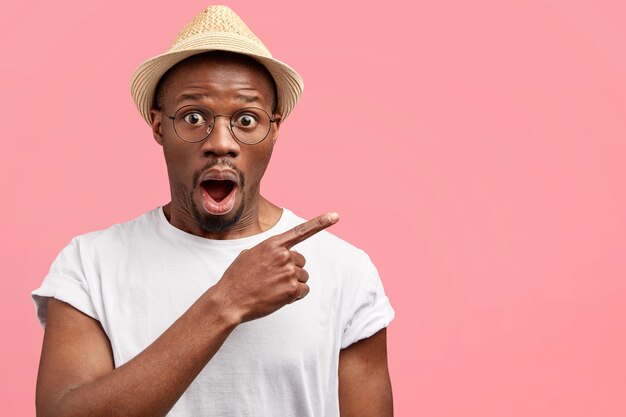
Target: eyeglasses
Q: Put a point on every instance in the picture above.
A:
(250, 125)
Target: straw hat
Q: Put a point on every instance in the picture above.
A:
(217, 28)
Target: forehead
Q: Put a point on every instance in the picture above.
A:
(217, 74)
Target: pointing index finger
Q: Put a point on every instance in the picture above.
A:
(307, 229)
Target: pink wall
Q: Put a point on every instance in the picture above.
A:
(474, 149)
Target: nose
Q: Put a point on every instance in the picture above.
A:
(221, 141)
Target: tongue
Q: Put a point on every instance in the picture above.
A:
(218, 190)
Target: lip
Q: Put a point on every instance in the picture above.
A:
(220, 174)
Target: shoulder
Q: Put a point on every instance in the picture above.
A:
(117, 234)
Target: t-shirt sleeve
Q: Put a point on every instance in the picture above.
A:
(370, 309)
(66, 282)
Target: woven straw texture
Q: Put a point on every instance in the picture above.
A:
(216, 19)
(217, 28)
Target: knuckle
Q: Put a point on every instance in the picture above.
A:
(284, 255)
(293, 290)
(300, 229)
(322, 220)
(271, 242)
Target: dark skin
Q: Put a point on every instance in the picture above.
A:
(232, 85)
(77, 376)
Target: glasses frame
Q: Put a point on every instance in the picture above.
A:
(212, 126)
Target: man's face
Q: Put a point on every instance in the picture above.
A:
(215, 183)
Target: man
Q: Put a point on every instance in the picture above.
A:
(202, 307)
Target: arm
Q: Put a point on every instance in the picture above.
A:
(364, 384)
(76, 373)
(77, 376)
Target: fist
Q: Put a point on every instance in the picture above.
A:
(270, 275)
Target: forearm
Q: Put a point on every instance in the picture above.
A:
(152, 382)
(260, 281)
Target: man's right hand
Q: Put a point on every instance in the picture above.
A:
(76, 372)
(270, 275)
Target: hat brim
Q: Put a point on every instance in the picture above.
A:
(289, 84)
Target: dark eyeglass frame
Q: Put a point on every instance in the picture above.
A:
(215, 116)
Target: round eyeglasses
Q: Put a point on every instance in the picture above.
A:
(249, 125)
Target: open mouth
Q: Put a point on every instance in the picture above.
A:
(218, 196)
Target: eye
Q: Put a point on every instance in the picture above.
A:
(246, 120)
(195, 118)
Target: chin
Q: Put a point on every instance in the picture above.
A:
(216, 223)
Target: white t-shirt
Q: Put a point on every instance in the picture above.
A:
(138, 277)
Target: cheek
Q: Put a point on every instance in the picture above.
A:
(178, 163)
(258, 163)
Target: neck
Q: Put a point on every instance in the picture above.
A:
(255, 219)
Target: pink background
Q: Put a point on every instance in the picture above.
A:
(475, 149)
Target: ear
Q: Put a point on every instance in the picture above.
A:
(279, 119)
(157, 125)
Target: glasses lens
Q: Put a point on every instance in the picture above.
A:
(250, 125)
(193, 123)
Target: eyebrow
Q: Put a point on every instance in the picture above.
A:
(201, 96)
(248, 99)
(194, 97)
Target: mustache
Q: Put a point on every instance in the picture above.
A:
(218, 162)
